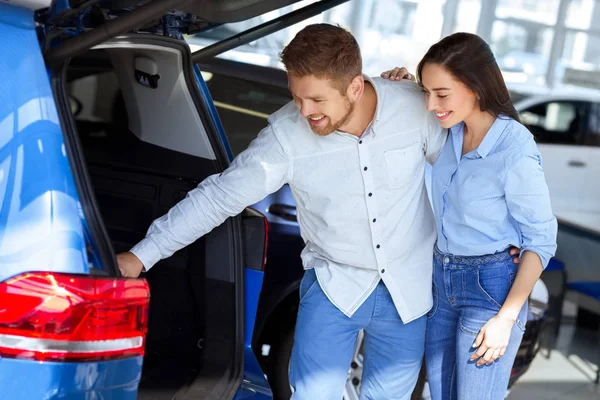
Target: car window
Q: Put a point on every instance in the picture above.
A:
(592, 138)
(556, 122)
(244, 106)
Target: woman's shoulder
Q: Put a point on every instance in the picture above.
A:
(517, 135)
(517, 143)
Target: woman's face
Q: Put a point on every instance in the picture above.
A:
(450, 100)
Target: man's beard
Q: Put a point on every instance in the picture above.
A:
(330, 128)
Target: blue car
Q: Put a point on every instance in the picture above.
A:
(106, 123)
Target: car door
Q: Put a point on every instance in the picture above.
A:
(255, 241)
(558, 127)
(590, 196)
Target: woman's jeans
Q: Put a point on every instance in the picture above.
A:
(467, 292)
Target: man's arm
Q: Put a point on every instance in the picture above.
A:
(435, 137)
(255, 173)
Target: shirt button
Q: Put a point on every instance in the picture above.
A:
(370, 194)
(446, 260)
(374, 220)
(378, 246)
(383, 271)
(365, 168)
(360, 142)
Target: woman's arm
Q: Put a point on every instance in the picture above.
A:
(529, 272)
(528, 203)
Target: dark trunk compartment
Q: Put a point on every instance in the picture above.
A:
(135, 183)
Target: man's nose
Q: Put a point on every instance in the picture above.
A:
(306, 110)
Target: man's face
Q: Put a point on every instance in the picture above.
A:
(324, 107)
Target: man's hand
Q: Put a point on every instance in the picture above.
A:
(129, 265)
(397, 74)
(515, 252)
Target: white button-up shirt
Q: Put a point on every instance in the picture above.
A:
(361, 202)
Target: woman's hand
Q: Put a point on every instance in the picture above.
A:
(492, 340)
(398, 73)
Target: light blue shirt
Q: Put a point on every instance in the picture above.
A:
(493, 197)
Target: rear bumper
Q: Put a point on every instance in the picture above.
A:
(26, 380)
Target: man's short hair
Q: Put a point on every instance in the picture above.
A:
(325, 51)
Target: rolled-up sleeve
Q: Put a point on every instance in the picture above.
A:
(255, 173)
(528, 203)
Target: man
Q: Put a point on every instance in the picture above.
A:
(353, 151)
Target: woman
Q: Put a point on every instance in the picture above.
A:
(488, 192)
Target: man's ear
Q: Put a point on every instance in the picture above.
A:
(356, 88)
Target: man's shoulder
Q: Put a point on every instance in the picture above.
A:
(286, 115)
(288, 126)
(403, 99)
(399, 90)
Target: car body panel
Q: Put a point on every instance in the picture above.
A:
(26, 380)
(206, 96)
(40, 213)
(254, 380)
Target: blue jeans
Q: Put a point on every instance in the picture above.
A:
(325, 339)
(467, 292)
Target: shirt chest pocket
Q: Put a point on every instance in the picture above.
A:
(402, 164)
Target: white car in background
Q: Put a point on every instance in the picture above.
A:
(567, 131)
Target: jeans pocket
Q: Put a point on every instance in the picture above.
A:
(308, 283)
(494, 283)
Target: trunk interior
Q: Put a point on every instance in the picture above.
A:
(138, 170)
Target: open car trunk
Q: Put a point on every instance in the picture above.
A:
(147, 139)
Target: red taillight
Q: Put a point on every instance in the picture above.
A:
(48, 316)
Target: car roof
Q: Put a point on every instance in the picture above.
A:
(565, 96)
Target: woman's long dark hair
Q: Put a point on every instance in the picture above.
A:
(470, 60)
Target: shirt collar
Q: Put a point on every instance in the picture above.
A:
(488, 142)
(457, 139)
(373, 125)
(491, 138)
(371, 128)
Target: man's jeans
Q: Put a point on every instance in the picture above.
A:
(467, 292)
(325, 339)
